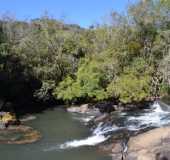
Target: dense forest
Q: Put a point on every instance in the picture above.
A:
(126, 59)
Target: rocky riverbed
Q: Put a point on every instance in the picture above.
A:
(142, 134)
(152, 145)
(19, 135)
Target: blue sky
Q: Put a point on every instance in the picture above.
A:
(82, 12)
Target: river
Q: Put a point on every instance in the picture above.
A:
(66, 137)
(57, 127)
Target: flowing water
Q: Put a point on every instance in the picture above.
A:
(66, 137)
(57, 127)
(156, 115)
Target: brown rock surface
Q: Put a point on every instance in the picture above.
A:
(79, 109)
(19, 135)
(151, 145)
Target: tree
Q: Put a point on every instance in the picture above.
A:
(133, 85)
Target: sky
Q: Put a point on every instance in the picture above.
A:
(82, 12)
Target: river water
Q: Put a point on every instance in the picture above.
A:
(57, 127)
(66, 137)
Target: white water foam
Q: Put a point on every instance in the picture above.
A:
(97, 137)
(157, 108)
(90, 141)
(28, 118)
(154, 117)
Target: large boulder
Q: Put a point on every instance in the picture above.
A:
(151, 145)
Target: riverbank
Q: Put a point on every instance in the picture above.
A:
(152, 145)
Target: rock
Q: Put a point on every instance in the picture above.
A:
(115, 149)
(135, 105)
(79, 109)
(163, 156)
(84, 108)
(151, 145)
(7, 118)
(106, 107)
(26, 135)
(101, 118)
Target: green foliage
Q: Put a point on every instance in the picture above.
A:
(64, 90)
(133, 85)
(117, 59)
(86, 85)
(165, 89)
(130, 88)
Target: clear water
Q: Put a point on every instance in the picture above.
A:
(57, 127)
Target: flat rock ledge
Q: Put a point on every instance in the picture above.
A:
(19, 135)
(83, 109)
(151, 145)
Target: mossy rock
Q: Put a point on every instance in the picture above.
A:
(19, 135)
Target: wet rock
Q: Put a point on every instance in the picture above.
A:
(78, 109)
(135, 106)
(152, 145)
(85, 108)
(19, 135)
(106, 107)
(114, 149)
(102, 118)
